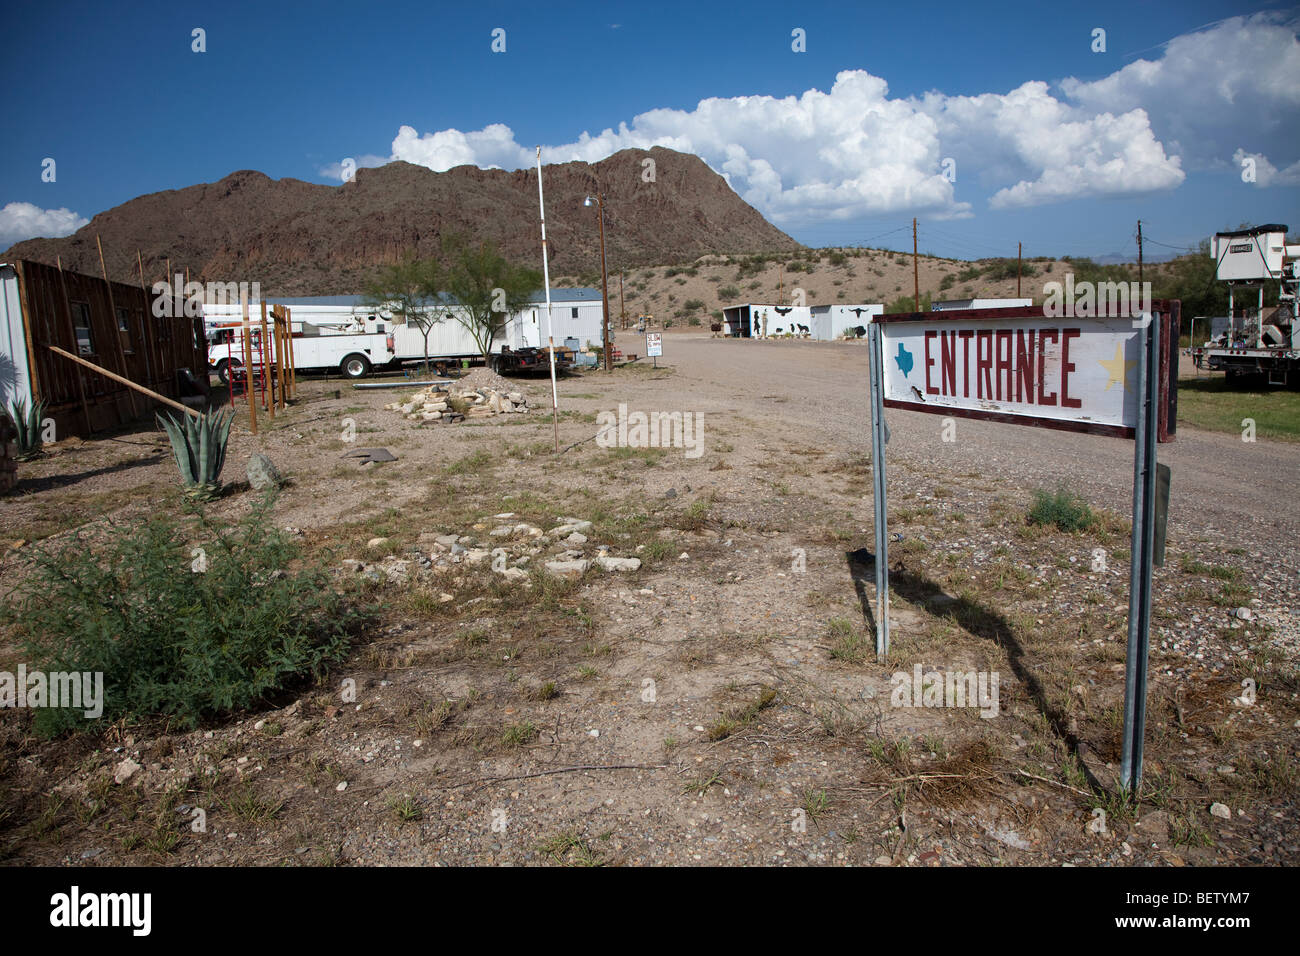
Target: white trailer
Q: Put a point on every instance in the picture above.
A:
(575, 313)
(831, 322)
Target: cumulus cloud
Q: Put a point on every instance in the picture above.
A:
(1256, 168)
(23, 220)
(1238, 81)
(853, 151)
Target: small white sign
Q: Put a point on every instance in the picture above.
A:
(654, 345)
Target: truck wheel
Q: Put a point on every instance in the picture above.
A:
(355, 366)
(224, 367)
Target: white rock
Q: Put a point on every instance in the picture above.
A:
(125, 770)
(376, 542)
(566, 568)
(576, 538)
(1221, 811)
(618, 564)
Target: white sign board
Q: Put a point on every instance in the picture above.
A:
(1074, 373)
(654, 345)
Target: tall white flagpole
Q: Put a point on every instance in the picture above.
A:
(550, 332)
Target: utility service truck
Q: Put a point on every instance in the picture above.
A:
(1252, 343)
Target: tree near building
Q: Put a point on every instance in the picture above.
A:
(409, 290)
(486, 288)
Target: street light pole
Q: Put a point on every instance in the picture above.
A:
(604, 276)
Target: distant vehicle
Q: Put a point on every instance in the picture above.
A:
(1248, 259)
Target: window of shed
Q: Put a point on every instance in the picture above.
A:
(575, 311)
(81, 328)
(124, 330)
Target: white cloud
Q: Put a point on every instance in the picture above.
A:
(23, 220)
(853, 151)
(1265, 173)
(364, 161)
(1237, 81)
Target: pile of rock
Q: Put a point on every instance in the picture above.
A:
(507, 547)
(468, 397)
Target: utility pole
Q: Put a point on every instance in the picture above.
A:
(780, 284)
(622, 307)
(604, 283)
(1139, 256)
(1017, 270)
(916, 276)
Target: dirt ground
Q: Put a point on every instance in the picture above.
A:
(722, 704)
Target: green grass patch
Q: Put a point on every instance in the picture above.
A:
(1062, 510)
(1212, 405)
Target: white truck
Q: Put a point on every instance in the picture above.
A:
(354, 354)
(1250, 346)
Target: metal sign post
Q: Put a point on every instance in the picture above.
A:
(878, 491)
(1143, 557)
(1069, 372)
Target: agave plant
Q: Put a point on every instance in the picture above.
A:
(199, 445)
(28, 423)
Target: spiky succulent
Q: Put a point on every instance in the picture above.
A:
(199, 445)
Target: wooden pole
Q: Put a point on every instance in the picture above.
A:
(284, 356)
(72, 330)
(123, 380)
(112, 324)
(248, 373)
(916, 276)
(268, 400)
(1018, 247)
(149, 349)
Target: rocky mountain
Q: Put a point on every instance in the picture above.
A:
(299, 238)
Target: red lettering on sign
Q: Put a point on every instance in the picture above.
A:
(965, 335)
(948, 362)
(929, 389)
(983, 363)
(1042, 362)
(1025, 367)
(1066, 368)
(1003, 365)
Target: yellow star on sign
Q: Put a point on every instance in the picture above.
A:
(1118, 368)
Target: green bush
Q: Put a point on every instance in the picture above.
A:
(1062, 509)
(171, 639)
(728, 292)
(692, 304)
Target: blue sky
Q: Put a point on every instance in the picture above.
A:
(116, 96)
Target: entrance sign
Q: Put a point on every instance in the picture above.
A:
(1015, 365)
(1110, 376)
